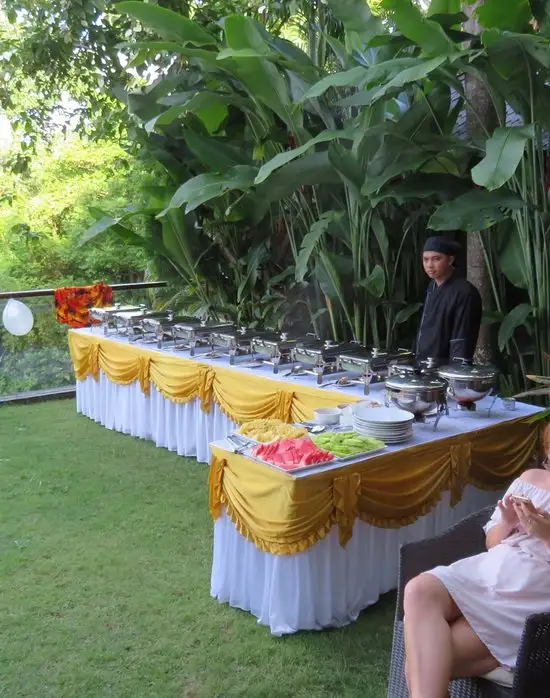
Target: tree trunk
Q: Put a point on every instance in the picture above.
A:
(478, 275)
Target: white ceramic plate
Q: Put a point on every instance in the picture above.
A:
(382, 415)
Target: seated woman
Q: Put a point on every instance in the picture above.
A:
(467, 619)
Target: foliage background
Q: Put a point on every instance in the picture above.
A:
(43, 213)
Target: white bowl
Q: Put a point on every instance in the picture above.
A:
(327, 415)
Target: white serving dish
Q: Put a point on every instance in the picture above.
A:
(327, 415)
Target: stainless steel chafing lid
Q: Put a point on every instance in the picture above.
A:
(466, 370)
(415, 380)
(112, 309)
(326, 348)
(226, 332)
(209, 330)
(363, 356)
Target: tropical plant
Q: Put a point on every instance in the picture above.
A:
(331, 171)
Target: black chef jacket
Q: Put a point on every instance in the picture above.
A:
(450, 321)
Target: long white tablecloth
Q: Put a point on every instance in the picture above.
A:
(326, 585)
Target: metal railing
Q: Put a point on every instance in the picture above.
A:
(34, 292)
(38, 366)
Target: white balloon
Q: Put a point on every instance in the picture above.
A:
(17, 318)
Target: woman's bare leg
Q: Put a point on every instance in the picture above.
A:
(429, 611)
(470, 656)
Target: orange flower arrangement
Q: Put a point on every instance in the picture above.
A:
(72, 303)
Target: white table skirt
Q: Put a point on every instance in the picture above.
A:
(326, 585)
(183, 428)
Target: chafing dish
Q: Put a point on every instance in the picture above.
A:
(320, 356)
(105, 316)
(159, 329)
(236, 341)
(196, 333)
(373, 365)
(469, 383)
(419, 391)
(275, 346)
(129, 323)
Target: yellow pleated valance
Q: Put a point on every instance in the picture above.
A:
(281, 514)
(180, 379)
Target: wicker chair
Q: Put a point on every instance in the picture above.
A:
(532, 672)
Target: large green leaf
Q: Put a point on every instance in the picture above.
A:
(409, 159)
(375, 282)
(311, 240)
(261, 78)
(205, 187)
(411, 22)
(515, 318)
(253, 260)
(405, 313)
(507, 15)
(353, 77)
(512, 261)
(209, 107)
(377, 73)
(423, 186)
(475, 210)
(347, 166)
(217, 154)
(106, 222)
(329, 270)
(167, 23)
(289, 155)
(354, 14)
(504, 150)
(307, 170)
(409, 75)
(379, 229)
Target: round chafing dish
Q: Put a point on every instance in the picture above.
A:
(468, 383)
(417, 390)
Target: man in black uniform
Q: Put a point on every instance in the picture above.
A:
(452, 309)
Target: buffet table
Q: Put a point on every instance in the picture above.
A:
(184, 403)
(310, 550)
(313, 549)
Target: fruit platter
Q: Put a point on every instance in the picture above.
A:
(292, 454)
(267, 430)
(347, 444)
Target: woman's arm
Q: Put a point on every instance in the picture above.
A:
(507, 524)
(498, 533)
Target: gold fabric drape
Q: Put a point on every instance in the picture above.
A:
(180, 379)
(282, 514)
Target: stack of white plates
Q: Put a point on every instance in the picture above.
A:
(389, 424)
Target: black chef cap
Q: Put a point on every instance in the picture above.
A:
(439, 244)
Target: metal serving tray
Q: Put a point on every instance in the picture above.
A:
(129, 324)
(371, 364)
(105, 315)
(276, 347)
(320, 356)
(196, 333)
(160, 329)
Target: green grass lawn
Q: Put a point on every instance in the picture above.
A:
(105, 545)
